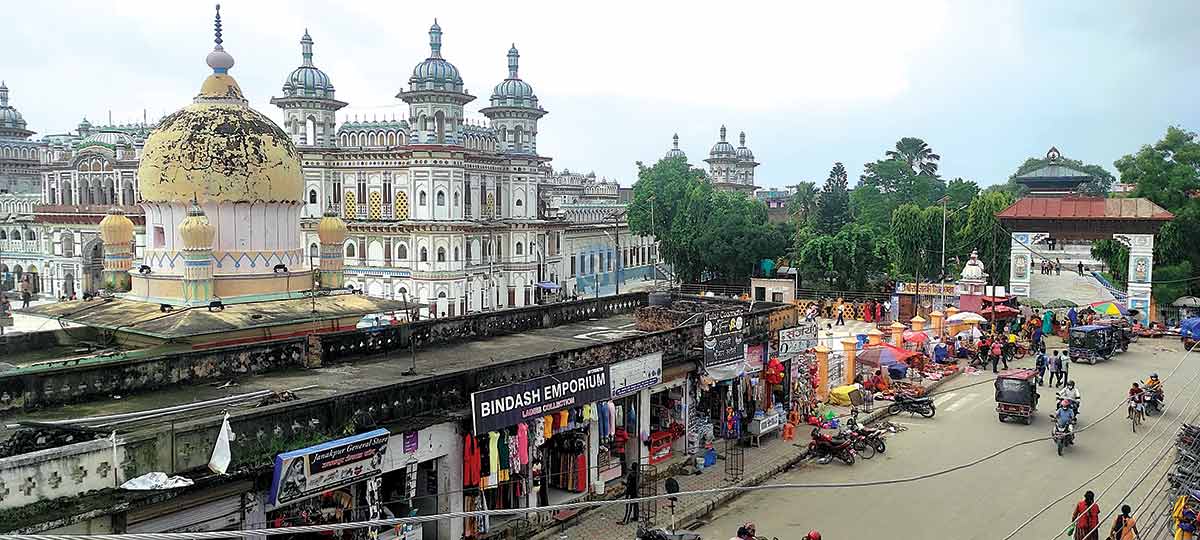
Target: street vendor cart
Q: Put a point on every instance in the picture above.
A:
(1092, 342)
(1016, 394)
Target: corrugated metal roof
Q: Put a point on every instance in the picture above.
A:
(1085, 209)
(1055, 170)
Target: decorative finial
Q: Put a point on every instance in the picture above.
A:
(513, 56)
(742, 139)
(1053, 154)
(722, 133)
(219, 60)
(217, 27)
(435, 40)
(306, 50)
(676, 141)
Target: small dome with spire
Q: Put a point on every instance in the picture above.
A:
(513, 91)
(973, 270)
(196, 231)
(307, 80)
(435, 73)
(12, 124)
(744, 153)
(331, 229)
(675, 152)
(722, 148)
(116, 228)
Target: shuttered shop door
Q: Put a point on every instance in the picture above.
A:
(196, 513)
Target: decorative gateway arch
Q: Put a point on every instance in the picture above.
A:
(1062, 221)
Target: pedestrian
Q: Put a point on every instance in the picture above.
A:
(1081, 268)
(841, 313)
(997, 351)
(631, 492)
(1056, 377)
(1087, 518)
(1066, 368)
(1057, 266)
(1073, 316)
(1036, 336)
(878, 312)
(25, 297)
(1010, 348)
(887, 309)
(1040, 365)
(1047, 318)
(1124, 527)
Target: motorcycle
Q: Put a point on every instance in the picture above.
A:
(825, 449)
(1154, 403)
(917, 405)
(664, 534)
(1063, 437)
(868, 440)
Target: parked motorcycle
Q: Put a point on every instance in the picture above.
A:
(1063, 437)
(825, 448)
(868, 440)
(917, 405)
(664, 534)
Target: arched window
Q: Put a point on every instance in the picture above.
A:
(350, 250)
(456, 199)
(68, 244)
(31, 235)
(441, 254)
(439, 121)
(424, 255)
(520, 249)
(313, 251)
(519, 203)
(16, 235)
(310, 130)
(531, 250)
(456, 254)
(312, 196)
(402, 252)
(422, 200)
(441, 198)
(3, 235)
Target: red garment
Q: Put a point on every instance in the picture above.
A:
(878, 312)
(471, 459)
(581, 473)
(1086, 518)
(774, 371)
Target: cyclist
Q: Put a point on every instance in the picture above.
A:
(1136, 395)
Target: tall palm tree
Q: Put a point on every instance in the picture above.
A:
(917, 154)
(804, 201)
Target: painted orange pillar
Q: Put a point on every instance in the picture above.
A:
(822, 373)
(952, 328)
(935, 320)
(849, 348)
(874, 336)
(897, 329)
(918, 323)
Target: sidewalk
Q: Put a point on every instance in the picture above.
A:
(761, 464)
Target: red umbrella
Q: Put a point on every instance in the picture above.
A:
(911, 336)
(1001, 312)
(884, 355)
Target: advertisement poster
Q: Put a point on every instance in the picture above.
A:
(724, 337)
(632, 376)
(497, 408)
(307, 472)
(799, 338)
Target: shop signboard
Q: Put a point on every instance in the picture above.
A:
(497, 408)
(307, 472)
(724, 337)
(633, 376)
(927, 289)
(754, 358)
(797, 339)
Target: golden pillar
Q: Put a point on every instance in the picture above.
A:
(918, 323)
(849, 348)
(822, 373)
(897, 329)
(874, 336)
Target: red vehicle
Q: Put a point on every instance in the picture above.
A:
(1016, 394)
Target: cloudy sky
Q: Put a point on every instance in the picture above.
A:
(987, 84)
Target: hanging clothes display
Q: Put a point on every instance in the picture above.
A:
(470, 461)
(567, 458)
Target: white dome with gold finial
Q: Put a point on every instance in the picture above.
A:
(218, 149)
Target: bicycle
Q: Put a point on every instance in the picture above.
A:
(1136, 412)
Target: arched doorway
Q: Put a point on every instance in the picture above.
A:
(32, 281)
(6, 278)
(443, 304)
(93, 266)
(68, 289)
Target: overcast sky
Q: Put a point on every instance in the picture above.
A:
(987, 84)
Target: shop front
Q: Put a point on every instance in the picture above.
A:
(333, 482)
(670, 409)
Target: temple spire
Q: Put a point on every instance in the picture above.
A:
(435, 40)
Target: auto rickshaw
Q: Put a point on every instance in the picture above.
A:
(1016, 394)
(1092, 342)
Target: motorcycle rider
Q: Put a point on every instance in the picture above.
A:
(813, 535)
(1136, 395)
(1071, 394)
(1154, 387)
(1065, 416)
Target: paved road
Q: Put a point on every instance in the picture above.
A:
(985, 501)
(1082, 290)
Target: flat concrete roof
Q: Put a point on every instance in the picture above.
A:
(361, 374)
(146, 318)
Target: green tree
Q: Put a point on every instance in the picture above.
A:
(670, 202)
(1168, 173)
(736, 236)
(803, 203)
(980, 230)
(1115, 256)
(917, 154)
(833, 207)
(871, 208)
(960, 192)
(896, 179)
(916, 240)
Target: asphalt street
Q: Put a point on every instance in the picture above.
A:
(987, 500)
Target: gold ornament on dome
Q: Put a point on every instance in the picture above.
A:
(375, 206)
(401, 205)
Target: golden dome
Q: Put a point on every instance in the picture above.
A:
(195, 229)
(220, 150)
(116, 228)
(331, 229)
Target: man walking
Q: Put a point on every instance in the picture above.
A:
(1056, 377)
(1040, 365)
(631, 492)
(1087, 518)
(1081, 268)
(996, 352)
